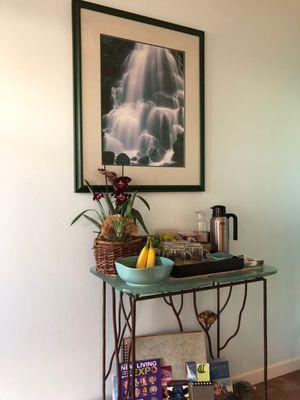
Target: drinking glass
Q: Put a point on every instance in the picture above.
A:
(165, 246)
(195, 250)
(177, 253)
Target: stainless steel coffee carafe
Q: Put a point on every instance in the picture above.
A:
(219, 229)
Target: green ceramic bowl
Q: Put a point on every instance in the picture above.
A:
(126, 268)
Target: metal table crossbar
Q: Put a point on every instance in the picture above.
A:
(124, 318)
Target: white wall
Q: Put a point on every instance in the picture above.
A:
(49, 302)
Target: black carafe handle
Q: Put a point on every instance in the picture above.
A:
(235, 225)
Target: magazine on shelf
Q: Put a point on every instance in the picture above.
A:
(148, 380)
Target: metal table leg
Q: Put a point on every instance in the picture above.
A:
(104, 341)
(133, 333)
(265, 324)
(218, 321)
(116, 340)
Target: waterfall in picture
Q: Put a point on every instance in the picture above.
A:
(142, 104)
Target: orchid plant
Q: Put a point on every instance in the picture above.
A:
(116, 218)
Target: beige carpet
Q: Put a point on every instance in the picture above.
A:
(285, 387)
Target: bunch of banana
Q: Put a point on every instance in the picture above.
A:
(146, 258)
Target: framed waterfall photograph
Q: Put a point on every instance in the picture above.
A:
(138, 100)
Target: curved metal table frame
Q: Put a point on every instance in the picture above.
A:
(124, 317)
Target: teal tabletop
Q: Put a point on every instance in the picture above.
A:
(183, 284)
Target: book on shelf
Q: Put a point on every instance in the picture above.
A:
(219, 369)
(191, 371)
(201, 390)
(203, 372)
(148, 380)
(197, 372)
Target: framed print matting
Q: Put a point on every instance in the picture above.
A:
(138, 100)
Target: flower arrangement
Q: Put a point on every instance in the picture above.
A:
(116, 218)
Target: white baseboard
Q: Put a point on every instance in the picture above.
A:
(274, 370)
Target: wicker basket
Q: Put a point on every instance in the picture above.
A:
(107, 252)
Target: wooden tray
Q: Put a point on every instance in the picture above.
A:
(207, 267)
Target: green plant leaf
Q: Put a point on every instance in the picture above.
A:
(109, 204)
(129, 206)
(101, 217)
(97, 201)
(120, 209)
(137, 216)
(82, 213)
(102, 211)
(144, 201)
(89, 187)
(93, 221)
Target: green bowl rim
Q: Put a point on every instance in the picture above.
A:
(170, 264)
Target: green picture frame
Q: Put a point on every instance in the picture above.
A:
(196, 167)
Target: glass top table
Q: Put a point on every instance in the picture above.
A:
(183, 284)
(124, 309)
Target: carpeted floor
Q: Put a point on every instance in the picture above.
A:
(285, 387)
